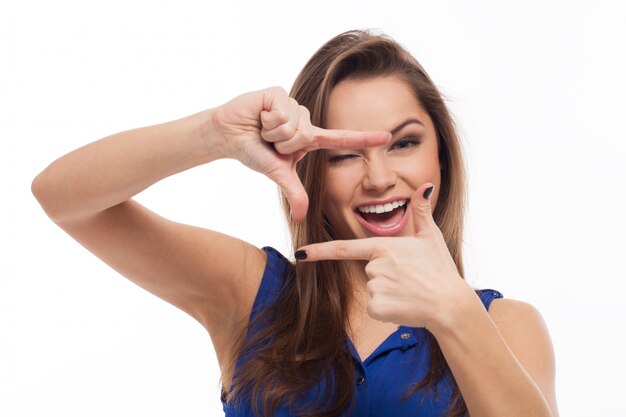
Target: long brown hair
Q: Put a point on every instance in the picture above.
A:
(302, 337)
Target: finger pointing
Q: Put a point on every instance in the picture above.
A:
(364, 249)
(348, 139)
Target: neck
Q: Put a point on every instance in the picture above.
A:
(356, 270)
(358, 281)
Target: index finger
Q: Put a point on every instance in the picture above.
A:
(363, 249)
(348, 139)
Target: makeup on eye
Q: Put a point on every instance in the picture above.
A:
(401, 144)
(407, 142)
(336, 159)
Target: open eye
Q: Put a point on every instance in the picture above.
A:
(406, 143)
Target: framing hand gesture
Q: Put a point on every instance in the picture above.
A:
(269, 132)
(410, 277)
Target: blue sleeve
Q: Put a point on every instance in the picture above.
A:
(277, 268)
(487, 296)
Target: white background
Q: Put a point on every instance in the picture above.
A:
(537, 89)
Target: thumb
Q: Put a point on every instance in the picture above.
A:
(290, 184)
(420, 208)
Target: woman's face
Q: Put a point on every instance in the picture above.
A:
(367, 190)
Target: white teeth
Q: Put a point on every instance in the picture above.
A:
(382, 208)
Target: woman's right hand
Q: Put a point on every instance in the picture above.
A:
(269, 132)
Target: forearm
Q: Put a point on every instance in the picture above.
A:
(109, 171)
(492, 381)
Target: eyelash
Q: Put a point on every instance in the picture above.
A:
(340, 158)
(400, 145)
(411, 141)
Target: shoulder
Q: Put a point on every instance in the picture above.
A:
(508, 312)
(525, 332)
(518, 320)
(276, 270)
(276, 259)
(277, 266)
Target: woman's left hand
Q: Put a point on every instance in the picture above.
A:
(413, 280)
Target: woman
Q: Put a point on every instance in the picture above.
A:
(375, 316)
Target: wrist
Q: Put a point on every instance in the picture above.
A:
(461, 304)
(210, 134)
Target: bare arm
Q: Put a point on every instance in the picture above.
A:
(211, 276)
(503, 360)
(109, 171)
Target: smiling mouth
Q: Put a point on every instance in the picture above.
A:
(383, 216)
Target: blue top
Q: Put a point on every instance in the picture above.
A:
(385, 376)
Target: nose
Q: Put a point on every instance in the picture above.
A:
(379, 175)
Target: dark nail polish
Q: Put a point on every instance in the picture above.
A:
(300, 255)
(428, 192)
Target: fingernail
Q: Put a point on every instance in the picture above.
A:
(300, 255)
(428, 192)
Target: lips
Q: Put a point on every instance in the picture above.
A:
(383, 218)
(381, 208)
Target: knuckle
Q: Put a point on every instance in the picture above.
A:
(423, 208)
(287, 131)
(343, 142)
(272, 120)
(277, 89)
(266, 136)
(370, 270)
(282, 148)
(309, 139)
(342, 250)
(375, 309)
(383, 251)
(280, 115)
(305, 111)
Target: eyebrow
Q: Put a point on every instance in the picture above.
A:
(403, 124)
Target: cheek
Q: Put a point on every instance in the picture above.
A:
(337, 194)
(331, 199)
(335, 187)
(416, 173)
